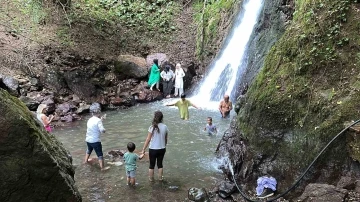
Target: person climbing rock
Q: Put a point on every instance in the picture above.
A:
(154, 75)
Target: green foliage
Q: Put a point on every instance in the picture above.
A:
(138, 15)
(308, 84)
(208, 20)
(34, 9)
(30, 14)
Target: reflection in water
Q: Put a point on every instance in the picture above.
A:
(189, 159)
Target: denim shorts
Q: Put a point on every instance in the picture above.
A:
(131, 173)
(95, 146)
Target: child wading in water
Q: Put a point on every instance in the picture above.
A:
(210, 128)
(130, 163)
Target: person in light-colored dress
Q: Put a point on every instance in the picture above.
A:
(179, 82)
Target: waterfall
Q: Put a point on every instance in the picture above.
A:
(230, 63)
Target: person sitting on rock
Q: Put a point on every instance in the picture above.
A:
(45, 120)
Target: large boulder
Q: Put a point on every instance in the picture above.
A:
(322, 193)
(80, 82)
(9, 83)
(131, 66)
(162, 58)
(34, 165)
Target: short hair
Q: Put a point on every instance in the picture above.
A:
(183, 95)
(131, 146)
(210, 118)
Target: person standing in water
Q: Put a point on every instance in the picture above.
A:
(154, 75)
(179, 81)
(168, 77)
(183, 106)
(157, 139)
(94, 129)
(225, 107)
(130, 163)
(45, 120)
(210, 128)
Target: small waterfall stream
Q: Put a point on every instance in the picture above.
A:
(189, 159)
(230, 63)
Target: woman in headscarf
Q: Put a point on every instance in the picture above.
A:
(45, 120)
(157, 137)
(168, 77)
(179, 82)
(154, 75)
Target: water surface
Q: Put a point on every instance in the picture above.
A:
(189, 159)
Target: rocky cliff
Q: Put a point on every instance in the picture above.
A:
(34, 165)
(305, 91)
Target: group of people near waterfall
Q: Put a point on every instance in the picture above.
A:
(168, 77)
(156, 139)
(157, 133)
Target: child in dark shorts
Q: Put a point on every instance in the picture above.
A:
(130, 163)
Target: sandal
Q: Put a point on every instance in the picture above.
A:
(151, 179)
(161, 178)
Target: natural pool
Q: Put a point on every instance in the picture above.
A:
(189, 160)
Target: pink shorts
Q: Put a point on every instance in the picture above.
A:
(48, 128)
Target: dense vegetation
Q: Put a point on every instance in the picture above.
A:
(309, 84)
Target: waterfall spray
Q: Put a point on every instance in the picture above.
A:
(224, 72)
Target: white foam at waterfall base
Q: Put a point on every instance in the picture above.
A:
(218, 162)
(223, 74)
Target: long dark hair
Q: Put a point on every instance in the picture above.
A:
(156, 61)
(158, 118)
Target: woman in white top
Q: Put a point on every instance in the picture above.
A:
(179, 82)
(157, 137)
(168, 77)
(40, 115)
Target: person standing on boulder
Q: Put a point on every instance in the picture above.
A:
(45, 120)
(179, 82)
(154, 77)
(94, 129)
(168, 77)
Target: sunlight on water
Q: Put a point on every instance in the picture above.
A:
(229, 66)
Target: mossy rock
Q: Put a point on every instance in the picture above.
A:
(34, 165)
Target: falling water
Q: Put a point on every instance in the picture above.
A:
(230, 64)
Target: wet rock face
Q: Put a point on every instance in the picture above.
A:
(198, 195)
(34, 165)
(322, 193)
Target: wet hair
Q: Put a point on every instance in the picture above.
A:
(131, 146)
(158, 118)
(156, 61)
(167, 68)
(183, 95)
(210, 118)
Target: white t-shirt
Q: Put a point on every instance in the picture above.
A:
(158, 138)
(94, 130)
(39, 117)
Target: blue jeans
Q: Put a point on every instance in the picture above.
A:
(95, 146)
